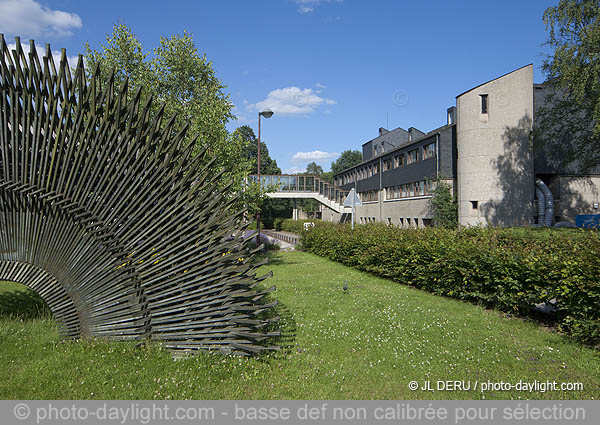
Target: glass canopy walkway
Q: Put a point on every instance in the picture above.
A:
(293, 186)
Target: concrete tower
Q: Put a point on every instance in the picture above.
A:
(495, 171)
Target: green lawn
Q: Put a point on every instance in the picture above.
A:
(368, 343)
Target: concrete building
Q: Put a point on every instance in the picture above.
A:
(486, 151)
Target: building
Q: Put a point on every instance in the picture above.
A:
(485, 151)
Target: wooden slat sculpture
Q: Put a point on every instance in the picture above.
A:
(113, 221)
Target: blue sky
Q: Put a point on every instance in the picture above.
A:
(334, 71)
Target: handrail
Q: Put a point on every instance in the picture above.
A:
(291, 183)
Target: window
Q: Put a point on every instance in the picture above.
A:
(412, 157)
(369, 196)
(388, 164)
(399, 161)
(429, 151)
(474, 205)
(484, 103)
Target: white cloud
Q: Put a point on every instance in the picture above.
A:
(321, 86)
(317, 156)
(28, 18)
(292, 101)
(41, 51)
(308, 6)
(295, 170)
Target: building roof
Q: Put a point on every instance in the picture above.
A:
(404, 146)
(494, 79)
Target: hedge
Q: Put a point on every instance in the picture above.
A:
(510, 269)
(296, 226)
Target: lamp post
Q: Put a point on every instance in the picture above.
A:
(267, 113)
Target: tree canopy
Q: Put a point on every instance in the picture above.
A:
(267, 164)
(570, 121)
(348, 158)
(314, 169)
(176, 75)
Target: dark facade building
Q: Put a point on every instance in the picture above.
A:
(485, 151)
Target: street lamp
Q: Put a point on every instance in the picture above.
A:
(267, 113)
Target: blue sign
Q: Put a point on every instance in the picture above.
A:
(588, 221)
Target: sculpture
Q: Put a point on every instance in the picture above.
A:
(111, 218)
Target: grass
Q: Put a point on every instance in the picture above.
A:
(366, 343)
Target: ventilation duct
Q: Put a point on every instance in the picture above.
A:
(549, 202)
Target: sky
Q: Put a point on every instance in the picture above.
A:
(333, 71)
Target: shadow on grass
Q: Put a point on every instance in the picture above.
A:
(282, 320)
(23, 304)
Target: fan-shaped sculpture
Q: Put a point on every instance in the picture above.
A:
(112, 219)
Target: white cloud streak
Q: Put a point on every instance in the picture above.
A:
(28, 18)
(317, 156)
(41, 52)
(308, 6)
(293, 101)
(295, 170)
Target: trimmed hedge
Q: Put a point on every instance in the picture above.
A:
(511, 269)
(296, 226)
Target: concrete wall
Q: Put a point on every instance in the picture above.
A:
(577, 195)
(495, 174)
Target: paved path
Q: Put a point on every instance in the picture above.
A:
(268, 235)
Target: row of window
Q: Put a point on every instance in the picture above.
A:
(409, 222)
(369, 196)
(400, 160)
(409, 190)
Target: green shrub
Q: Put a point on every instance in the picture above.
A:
(267, 222)
(296, 226)
(511, 269)
(278, 223)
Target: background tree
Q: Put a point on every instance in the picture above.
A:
(255, 197)
(314, 169)
(569, 124)
(444, 206)
(347, 159)
(267, 164)
(176, 75)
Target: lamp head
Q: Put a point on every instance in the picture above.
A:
(267, 113)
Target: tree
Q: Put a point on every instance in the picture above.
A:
(444, 206)
(347, 159)
(254, 195)
(569, 124)
(314, 169)
(176, 75)
(267, 164)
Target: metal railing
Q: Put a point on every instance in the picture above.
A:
(293, 183)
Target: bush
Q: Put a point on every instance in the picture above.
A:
(511, 269)
(296, 226)
(278, 223)
(267, 222)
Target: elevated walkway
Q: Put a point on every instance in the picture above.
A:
(304, 187)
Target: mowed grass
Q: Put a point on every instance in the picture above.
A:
(366, 343)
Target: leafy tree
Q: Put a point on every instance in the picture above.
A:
(347, 159)
(444, 206)
(569, 124)
(176, 75)
(267, 164)
(314, 169)
(254, 196)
